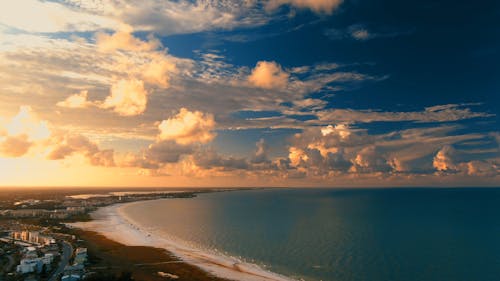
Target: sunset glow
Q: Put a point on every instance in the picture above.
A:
(244, 93)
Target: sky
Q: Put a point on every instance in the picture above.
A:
(320, 93)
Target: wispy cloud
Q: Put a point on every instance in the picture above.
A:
(361, 32)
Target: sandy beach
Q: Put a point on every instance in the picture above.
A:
(113, 223)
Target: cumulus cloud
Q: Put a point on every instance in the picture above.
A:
(27, 123)
(370, 159)
(158, 70)
(318, 6)
(268, 75)
(482, 168)
(188, 127)
(166, 151)
(127, 97)
(78, 100)
(124, 40)
(15, 146)
(261, 153)
(70, 144)
(21, 132)
(210, 159)
(443, 161)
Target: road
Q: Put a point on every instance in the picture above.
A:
(8, 267)
(66, 255)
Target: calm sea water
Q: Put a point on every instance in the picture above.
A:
(328, 234)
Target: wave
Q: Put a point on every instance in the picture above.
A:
(113, 222)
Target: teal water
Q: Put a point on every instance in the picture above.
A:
(332, 234)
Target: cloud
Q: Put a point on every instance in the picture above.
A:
(443, 161)
(261, 154)
(21, 132)
(268, 75)
(78, 100)
(71, 144)
(441, 113)
(27, 123)
(124, 40)
(309, 103)
(158, 70)
(360, 32)
(15, 146)
(370, 159)
(166, 152)
(127, 97)
(317, 6)
(482, 168)
(48, 16)
(188, 127)
(210, 159)
(174, 17)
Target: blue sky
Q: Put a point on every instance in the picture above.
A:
(278, 92)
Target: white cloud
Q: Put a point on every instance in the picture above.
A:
(47, 16)
(188, 127)
(127, 97)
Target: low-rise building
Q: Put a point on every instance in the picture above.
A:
(71, 277)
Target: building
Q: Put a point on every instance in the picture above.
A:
(32, 263)
(80, 256)
(33, 237)
(71, 277)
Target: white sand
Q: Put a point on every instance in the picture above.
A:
(113, 223)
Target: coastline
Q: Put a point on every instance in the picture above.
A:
(113, 223)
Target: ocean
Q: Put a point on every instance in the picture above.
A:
(431, 234)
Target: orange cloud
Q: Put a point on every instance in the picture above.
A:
(268, 75)
(158, 70)
(124, 40)
(78, 100)
(15, 146)
(22, 132)
(127, 98)
(443, 160)
(188, 127)
(69, 144)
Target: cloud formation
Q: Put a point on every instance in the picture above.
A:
(21, 132)
(78, 100)
(268, 75)
(48, 16)
(26, 131)
(70, 144)
(127, 97)
(318, 6)
(124, 40)
(188, 127)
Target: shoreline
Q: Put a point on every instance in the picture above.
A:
(113, 223)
